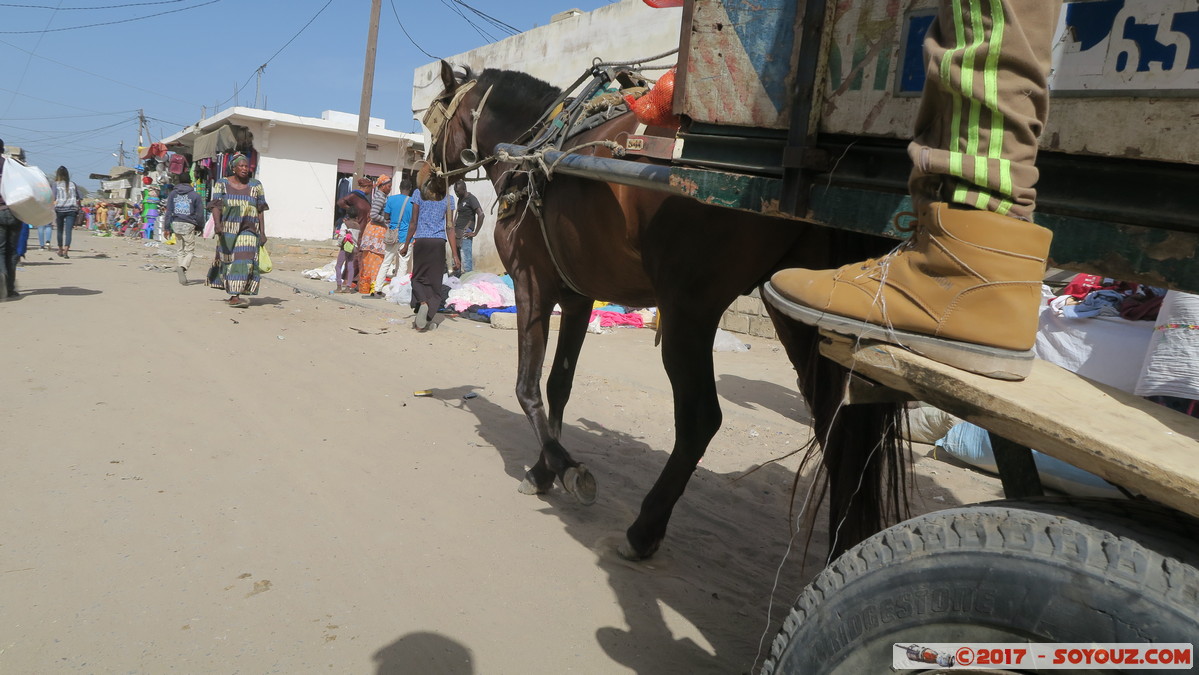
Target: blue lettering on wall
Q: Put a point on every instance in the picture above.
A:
(911, 67)
(1187, 23)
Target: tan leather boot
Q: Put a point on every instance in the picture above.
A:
(964, 291)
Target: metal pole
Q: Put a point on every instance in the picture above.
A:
(368, 84)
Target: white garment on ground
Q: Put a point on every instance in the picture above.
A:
(482, 289)
(1171, 366)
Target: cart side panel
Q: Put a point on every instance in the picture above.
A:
(1124, 82)
(739, 62)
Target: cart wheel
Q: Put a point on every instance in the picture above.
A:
(1037, 570)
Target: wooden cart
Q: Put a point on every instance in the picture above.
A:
(803, 110)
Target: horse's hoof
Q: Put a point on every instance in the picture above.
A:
(528, 487)
(627, 552)
(579, 482)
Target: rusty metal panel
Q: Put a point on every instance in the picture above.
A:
(1124, 82)
(739, 62)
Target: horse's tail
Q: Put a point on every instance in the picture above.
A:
(863, 458)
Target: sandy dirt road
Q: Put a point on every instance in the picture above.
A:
(189, 488)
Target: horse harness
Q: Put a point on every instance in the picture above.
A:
(567, 117)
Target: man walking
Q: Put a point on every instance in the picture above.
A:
(10, 239)
(398, 213)
(184, 208)
(468, 221)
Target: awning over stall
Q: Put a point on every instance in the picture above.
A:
(208, 145)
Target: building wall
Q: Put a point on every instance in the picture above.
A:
(558, 53)
(298, 170)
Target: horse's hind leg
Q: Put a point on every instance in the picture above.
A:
(687, 334)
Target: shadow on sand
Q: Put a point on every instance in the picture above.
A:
(707, 563)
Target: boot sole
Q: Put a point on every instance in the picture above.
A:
(993, 362)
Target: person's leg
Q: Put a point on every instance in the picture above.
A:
(43, 236)
(68, 224)
(964, 289)
(465, 254)
(339, 269)
(9, 235)
(389, 261)
(58, 222)
(403, 264)
(186, 234)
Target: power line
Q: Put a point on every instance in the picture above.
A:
(65, 9)
(264, 65)
(65, 117)
(46, 100)
(422, 50)
(512, 30)
(165, 121)
(103, 77)
(485, 35)
(277, 52)
(28, 61)
(106, 23)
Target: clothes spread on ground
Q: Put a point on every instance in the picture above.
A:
(609, 319)
(481, 289)
(1089, 295)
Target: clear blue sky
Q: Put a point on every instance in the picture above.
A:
(69, 94)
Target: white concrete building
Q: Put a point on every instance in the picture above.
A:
(558, 53)
(301, 158)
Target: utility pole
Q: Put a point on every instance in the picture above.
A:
(121, 154)
(141, 124)
(258, 85)
(368, 85)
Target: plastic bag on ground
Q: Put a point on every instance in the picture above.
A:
(727, 342)
(595, 327)
(323, 273)
(399, 290)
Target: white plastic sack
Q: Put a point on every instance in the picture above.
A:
(927, 424)
(726, 342)
(595, 327)
(323, 273)
(399, 290)
(27, 193)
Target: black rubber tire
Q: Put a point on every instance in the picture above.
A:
(1037, 570)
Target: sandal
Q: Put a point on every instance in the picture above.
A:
(239, 303)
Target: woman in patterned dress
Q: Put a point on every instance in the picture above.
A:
(237, 205)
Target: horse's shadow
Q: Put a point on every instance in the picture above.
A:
(749, 394)
(701, 604)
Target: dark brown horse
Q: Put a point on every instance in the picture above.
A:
(647, 248)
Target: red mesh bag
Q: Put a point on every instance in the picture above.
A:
(653, 109)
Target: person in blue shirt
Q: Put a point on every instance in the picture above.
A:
(427, 242)
(398, 212)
